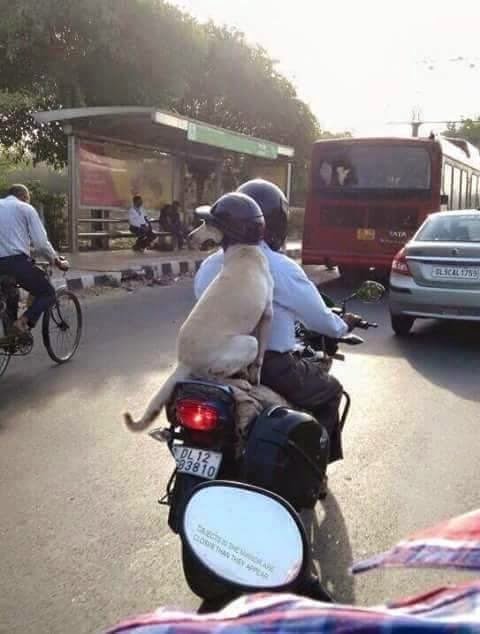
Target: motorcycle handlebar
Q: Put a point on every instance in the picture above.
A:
(365, 325)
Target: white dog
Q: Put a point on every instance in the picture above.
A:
(227, 331)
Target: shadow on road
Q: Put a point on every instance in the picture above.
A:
(331, 549)
(126, 342)
(446, 353)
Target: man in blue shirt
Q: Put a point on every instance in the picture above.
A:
(302, 382)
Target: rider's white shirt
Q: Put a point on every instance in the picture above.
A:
(20, 225)
(295, 298)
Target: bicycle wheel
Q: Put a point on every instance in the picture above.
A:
(62, 327)
(4, 351)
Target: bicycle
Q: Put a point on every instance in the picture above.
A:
(63, 318)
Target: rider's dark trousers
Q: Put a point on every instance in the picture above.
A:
(33, 280)
(305, 384)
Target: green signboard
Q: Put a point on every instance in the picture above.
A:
(201, 133)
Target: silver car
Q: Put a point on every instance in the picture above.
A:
(437, 274)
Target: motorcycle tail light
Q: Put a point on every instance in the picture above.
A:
(197, 415)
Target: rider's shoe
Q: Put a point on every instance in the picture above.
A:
(323, 489)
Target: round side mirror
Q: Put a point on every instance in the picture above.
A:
(247, 537)
(203, 209)
(370, 292)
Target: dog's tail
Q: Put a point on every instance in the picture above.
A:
(155, 406)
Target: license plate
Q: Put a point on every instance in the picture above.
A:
(198, 462)
(456, 273)
(365, 234)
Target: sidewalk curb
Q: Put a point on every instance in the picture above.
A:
(149, 271)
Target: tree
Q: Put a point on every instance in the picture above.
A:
(240, 89)
(469, 130)
(73, 53)
(68, 53)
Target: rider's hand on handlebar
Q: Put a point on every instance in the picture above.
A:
(352, 320)
(62, 263)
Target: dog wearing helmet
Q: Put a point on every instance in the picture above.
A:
(228, 329)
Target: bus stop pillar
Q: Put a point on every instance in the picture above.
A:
(218, 179)
(289, 181)
(72, 195)
(178, 186)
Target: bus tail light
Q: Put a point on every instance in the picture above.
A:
(400, 264)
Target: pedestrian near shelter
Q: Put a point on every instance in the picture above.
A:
(117, 152)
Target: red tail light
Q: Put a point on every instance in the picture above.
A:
(400, 264)
(196, 415)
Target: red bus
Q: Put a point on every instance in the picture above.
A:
(368, 196)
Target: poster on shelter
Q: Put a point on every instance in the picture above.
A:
(109, 175)
(274, 172)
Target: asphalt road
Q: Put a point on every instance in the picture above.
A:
(83, 542)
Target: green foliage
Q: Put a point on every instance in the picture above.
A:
(51, 208)
(468, 130)
(73, 53)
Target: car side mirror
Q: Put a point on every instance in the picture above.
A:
(370, 292)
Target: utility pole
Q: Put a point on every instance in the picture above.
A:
(416, 124)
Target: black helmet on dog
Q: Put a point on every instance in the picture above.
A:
(274, 205)
(238, 217)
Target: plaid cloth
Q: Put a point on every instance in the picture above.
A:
(451, 544)
(446, 610)
(455, 543)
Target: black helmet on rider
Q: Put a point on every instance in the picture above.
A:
(238, 217)
(274, 205)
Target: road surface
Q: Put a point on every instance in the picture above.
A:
(83, 541)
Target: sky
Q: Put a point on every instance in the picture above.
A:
(361, 64)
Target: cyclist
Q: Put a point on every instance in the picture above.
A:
(20, 226)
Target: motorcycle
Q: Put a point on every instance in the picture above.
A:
(286, 452)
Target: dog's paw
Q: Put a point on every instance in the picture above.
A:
(241, 384)
(254, 372)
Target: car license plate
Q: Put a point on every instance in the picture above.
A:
(456, 273)
(198, 462)
(365, 234)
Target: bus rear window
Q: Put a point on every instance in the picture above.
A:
(343, 166)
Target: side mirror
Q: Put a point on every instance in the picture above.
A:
(370, 292)
(203, 209)
(248, 538)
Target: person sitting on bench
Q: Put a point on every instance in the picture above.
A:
(171, 222)
(140, 225)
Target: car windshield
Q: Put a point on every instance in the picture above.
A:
(464, 228)
(346, 166)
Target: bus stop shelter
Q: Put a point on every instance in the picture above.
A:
(116, 152)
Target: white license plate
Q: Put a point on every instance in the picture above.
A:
(456, 273)
(198, 462)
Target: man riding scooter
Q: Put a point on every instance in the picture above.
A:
(303, 382)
